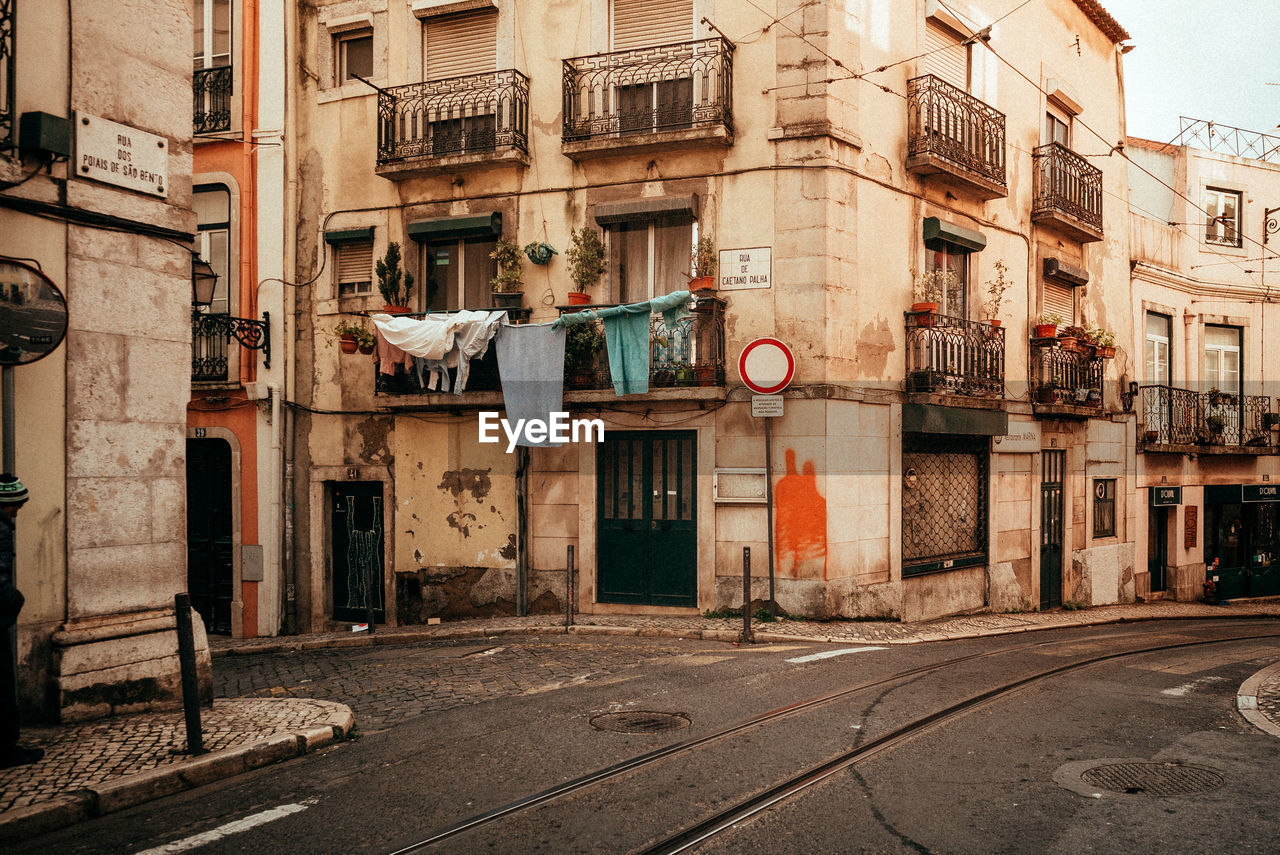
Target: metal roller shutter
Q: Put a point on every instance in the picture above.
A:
(949, 57)
(355, 262)
(458, 45)
(1060, 299)
(643, 23)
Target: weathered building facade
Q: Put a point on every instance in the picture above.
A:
(925, 462)
(95, 192)
(1204, 235)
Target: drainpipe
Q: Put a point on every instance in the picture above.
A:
(289, 601)
(523, 546)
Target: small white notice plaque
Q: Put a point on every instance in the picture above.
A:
(741, 269)
(766, 406)
(120, 155)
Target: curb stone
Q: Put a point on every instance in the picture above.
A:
(1247, 700)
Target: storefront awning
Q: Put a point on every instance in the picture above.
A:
(456, 228)
(929, 418)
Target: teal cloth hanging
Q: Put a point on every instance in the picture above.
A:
(626, 335)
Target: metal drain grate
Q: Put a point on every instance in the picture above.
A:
(639, 722)
(1152, 779)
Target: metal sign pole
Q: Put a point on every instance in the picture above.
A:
(768, 502)
(6, 389)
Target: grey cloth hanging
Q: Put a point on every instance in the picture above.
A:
(531, 366)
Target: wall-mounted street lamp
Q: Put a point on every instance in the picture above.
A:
(252, 334)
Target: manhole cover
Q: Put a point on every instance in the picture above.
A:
(639, 722)
(1152, 779)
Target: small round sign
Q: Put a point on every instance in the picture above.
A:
(33, 314)
(766, 366)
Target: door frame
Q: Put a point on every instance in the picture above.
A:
(237, 589)
(314, 587)
(588, 518)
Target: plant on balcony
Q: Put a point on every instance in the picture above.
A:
(581, 344)
(1047, 327)
(1069, 339)
(539, 253)
(508, 285)
(995, 292)
(353, 337)
(1105, 340)
(704, 261)
(684, 374)
(928, 289)
(393, 283)
(1215, 424)
(587, 262)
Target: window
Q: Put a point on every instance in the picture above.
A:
(1057, 128)
(648, 258)
(1158, 370)
(353, 53)
(657, 100)
(1222, 358)
(946, 55)
(944, 502)
(212, 204)
(353, 261)
(1104, 507)
(212, 29)
(954, 260)
(456, 274)
(460, 45)
(1222, 213)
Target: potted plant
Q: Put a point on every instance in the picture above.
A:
(685, 375)
(539, 253)
(1106, 342)
(581, 344)
(353, 337)
(927, 291)
(1215, 424)
(393, 283)
(995, 292)
(587, 263)
(1150, 435)
(1047, 327)
(508, 285)
(1094, 398)
(1069, 339)
(704, 262)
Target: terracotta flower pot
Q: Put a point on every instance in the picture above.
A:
(702, 283)
(579, 298)
(1046, 330)
(396, 310)
(348, 344)
(366, 349)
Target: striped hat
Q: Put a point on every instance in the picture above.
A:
(11, 490)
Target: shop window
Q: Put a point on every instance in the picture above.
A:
(1222, 217)
(944, 502)
(456, 274)
(1104, 507)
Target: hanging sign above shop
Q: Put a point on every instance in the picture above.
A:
(1165, 496)
(118, 154)
(1261, 493)
(33, 314)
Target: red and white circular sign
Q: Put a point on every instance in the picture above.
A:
(766, 366)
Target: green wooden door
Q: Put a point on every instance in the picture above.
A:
(648, 547)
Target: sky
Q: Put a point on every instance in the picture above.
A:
(1205, 59)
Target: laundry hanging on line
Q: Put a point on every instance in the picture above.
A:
(442, 341)
(626, 335)
(530, 365)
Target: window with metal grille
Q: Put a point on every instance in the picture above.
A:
(354, 263)
(1104, 507)
(944, 502)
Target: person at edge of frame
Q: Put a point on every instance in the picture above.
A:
(13, 495)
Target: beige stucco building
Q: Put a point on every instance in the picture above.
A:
(1204, 235)
(99, 421)
(924, 464)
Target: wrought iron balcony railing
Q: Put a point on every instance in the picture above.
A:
(474, 114)
(1067, 185)
(1173, 416)
(949, 124)
(664, 88)
(211, 91)
(210, 335)
(1064, 377)
(947, 355)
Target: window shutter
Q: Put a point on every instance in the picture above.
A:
(355, 262)
(1060, 299)
(458, 45)
(948, 57)
(642, 23)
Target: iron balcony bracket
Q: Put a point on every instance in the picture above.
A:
(252, 334)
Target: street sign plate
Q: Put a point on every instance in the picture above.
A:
(766, 406)
(766, 366)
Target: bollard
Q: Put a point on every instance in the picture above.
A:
(746, 637)
(190, 681)
(568, 588)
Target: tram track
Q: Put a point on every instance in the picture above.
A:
(695, 835)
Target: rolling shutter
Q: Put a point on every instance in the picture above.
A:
(948, 56)
(355, 266)
(642, 23)
(458, 45)
(1060, 299)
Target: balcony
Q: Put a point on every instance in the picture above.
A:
(445, 125)
(954, 135)
(1066, 383)
(954, 356)
(211, 93)
(681, 359)
(212, 333)
(1068, 193)
(673, 96)
(1182, 421)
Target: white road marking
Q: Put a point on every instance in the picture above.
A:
(827, 654)
(1185, 688)
(251, 821)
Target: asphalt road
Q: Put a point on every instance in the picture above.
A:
(450, 731)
